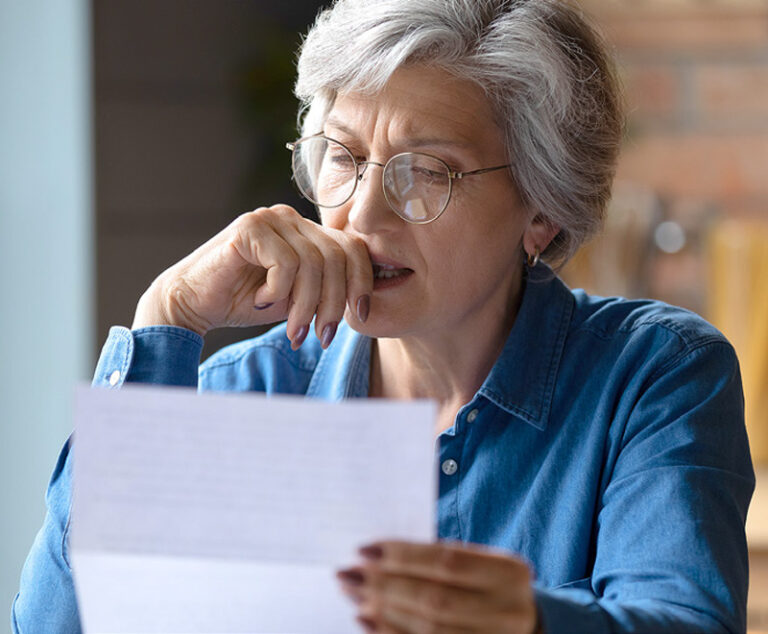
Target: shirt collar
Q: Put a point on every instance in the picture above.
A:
(521, 382)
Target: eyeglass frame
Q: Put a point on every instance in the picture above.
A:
(452, 175)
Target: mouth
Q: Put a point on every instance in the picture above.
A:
(387, 271)
(388, 274)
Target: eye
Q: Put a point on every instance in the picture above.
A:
(341, 160)
(429, 176)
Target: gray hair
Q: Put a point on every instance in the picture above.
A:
(545, 69)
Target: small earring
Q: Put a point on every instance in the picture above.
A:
(533, 260)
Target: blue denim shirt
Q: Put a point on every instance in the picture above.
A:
(606, 447)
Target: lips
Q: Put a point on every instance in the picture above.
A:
(386, 272)
(385, 268)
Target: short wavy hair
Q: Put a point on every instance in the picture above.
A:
(545, 68)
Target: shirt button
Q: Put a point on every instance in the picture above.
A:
(114, 378)
(472, 415)
(450, 466)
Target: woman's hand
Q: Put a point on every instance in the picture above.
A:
(266, 266)
(408, 588)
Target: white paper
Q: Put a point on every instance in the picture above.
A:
(232, 512)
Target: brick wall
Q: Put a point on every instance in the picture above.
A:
(696, 76)
(697, 81)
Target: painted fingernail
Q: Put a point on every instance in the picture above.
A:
(363, 307)
(368, 624)
(371, 552)
(264, 306)
(352, 576)
(300, 336)
(329, 332)
(353, 594)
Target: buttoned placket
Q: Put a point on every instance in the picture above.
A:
(450, 456)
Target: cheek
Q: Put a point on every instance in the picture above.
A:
(483, 245)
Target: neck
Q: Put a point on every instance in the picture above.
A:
(447, 365)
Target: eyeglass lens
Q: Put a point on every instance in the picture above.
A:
(416, 186)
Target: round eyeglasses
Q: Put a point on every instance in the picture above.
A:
(416, 186)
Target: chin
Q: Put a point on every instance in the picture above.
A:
(375, 329)
(378, 326)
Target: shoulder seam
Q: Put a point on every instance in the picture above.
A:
(664, 322)
(687, 350)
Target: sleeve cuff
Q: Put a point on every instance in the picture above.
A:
(165, 355)
(572, 610)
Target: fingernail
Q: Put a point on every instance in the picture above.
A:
(353, 595)
(352, 576)
(300, 336)
(264, 306)
(363, 307)
(371, 552)
(368, 624)
(329, 332)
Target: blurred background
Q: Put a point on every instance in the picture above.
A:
(131, 131)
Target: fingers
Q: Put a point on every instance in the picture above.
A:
(332, 290)
(410, 604)
(437, 602)
(306, 289)
(273, 253)
(318, 270)
(464, 565)
(359, 277)
(371, 625)
(445, 587)
(400, 621)
(350, 254)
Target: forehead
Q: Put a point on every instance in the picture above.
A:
(420, 101)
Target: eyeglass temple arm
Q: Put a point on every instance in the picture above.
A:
(460, 175)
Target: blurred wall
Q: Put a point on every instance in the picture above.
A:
(45, 256)
(696, 74)
(191, 101)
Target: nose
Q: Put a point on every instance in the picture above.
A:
(370, 212)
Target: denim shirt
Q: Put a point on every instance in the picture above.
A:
(606, 447)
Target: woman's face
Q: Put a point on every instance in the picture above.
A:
(463, 270)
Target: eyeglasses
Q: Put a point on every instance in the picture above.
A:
(416, 186)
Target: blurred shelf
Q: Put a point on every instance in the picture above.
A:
(757, 519)
(757, 537)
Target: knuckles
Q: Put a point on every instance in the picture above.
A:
(290, 260)
(335, 254)
(271, 215)
(450, 561)
(435, 600)
(312, 257)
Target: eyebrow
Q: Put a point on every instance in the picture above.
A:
(415, 142)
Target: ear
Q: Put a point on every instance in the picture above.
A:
(538, 234)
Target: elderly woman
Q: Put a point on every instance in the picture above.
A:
(597, 446)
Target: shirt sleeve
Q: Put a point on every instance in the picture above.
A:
(157, 354)
(671, 553)
(163, 355)
(46, 598)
